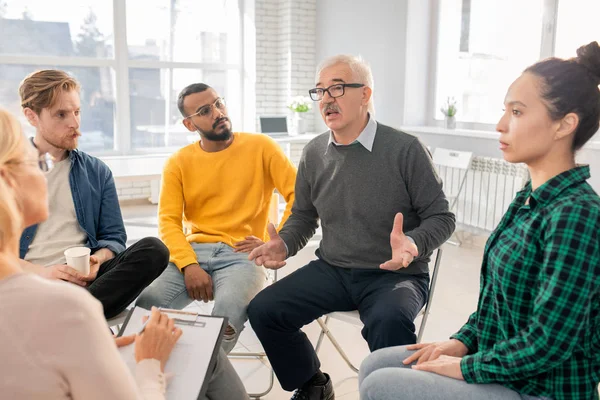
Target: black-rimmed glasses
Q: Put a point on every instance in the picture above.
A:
(334, 91)
(207, 110)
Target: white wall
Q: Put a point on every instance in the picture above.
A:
(377, 31)
(249, 57)
(420, 71)
(285, 54)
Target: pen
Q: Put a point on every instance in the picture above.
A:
(146, 323)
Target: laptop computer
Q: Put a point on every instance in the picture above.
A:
(274, 125)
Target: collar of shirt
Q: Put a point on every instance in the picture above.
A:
(366, 137)
(553, 187)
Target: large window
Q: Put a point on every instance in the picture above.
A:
(132, 58)
(483, 45)
(577, 24)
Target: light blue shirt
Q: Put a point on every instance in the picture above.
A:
(366, 137)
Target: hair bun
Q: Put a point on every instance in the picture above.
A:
(589, 57)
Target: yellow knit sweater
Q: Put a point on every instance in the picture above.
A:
(222, 196)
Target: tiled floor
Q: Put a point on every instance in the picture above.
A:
(455, 298)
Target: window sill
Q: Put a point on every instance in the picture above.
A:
(436, 130)
(136, 167)
(472, 133)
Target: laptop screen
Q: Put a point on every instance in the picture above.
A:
(274, 125)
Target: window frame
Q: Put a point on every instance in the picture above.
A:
(120, 65)
(549, 25)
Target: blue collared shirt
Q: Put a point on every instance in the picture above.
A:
(96, 205)
(366, 137)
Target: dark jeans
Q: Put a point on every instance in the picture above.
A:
(121, 279)
(388, 303)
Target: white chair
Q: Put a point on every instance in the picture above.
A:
(274, 218)
(452, 167)
(353, 318)
(261, 355)
(451, 162)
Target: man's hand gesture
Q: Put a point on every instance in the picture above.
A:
(404, 250)
(271, 254)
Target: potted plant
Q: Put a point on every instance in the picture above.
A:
(299, 106)
(449, 110)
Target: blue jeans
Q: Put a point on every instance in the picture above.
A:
(382, 376)
(236, 281)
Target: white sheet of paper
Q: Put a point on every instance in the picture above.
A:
(190, 358)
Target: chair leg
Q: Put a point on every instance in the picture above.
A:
(259, 356)
(458, 242)
(271, 382)
(434, 276)
(422, 327)
(326, 331)
(321, 336)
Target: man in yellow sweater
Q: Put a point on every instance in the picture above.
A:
(220, 190)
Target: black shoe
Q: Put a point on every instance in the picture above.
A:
(322, 392)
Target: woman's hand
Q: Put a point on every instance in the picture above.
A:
(443, 365)
(158, 339)
(432, 351)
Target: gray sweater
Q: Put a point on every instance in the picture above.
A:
(356, 194)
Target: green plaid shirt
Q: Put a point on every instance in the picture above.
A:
(537, 325)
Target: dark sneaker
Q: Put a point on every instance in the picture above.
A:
(323, 392)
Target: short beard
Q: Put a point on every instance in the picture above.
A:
(216, 137)
(59, 145)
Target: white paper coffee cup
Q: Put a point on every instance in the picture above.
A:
(79, 259)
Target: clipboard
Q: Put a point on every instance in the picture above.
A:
(187, 362)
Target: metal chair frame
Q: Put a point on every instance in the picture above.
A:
(353, 317)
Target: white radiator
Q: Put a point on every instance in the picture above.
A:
(480, 195)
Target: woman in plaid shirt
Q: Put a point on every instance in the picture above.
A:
(536, 331)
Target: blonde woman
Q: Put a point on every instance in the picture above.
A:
(54, 342)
